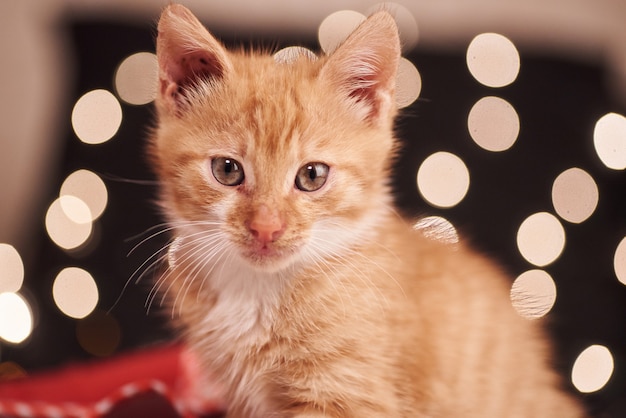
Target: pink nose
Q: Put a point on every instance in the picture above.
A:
(266, 225)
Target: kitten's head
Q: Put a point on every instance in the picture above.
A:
(271, 162)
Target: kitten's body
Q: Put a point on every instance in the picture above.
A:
(309, 301)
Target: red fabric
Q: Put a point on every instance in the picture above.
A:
(96, 389)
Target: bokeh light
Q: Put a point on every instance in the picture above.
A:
(575, 195)
(408, 83)
(619, 261)
(16, 318)
(493, 124)
(533, 294)
(443, 179)
(609, 139)
(293, 53)
(437, 228)
(336, 27)
(99, 333)
(407, 25)
(66, 232)
(11, 269)
(89, 188)
(541, 239)
(75, 292)
(96, 116)
(493, 60)
(592, 369)
(136, 78)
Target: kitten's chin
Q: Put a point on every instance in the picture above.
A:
(270, 260)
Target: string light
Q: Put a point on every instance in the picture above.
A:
(136, 78)
(541, 239)
(96, 116)
(99, 334)
(62, 228)
(16, 318)
(443, 179)
(75, 292)
(437, 228)
(609, 140)
(493, 124)
(11, 269)
(592, 369)
(533, 294)
(575, 195)
(408, 83)
(619, 261)
(493, 60)
(87, 187)
(337, 27)
(407, 25)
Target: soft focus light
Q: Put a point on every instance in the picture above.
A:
(407, 25)
(619, 261)
(609, 139)
(11, 269)
(493, 124)
(437, 228)
(75, 292)
(136, 78)
(16, 318)
(592, 369)
(89, 188)
(541, 239)
(533, 294)
(493, 60)
(99, 333)
(336, 27)
(293, 53)
(63, 230)
(96, 116)
(408, 83)
(574, 195)
(443, 179)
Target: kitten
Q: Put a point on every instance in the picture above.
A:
(291, 276)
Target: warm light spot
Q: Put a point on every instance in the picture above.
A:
(437, 228)
(292, 54)
(609, 139)
(574, 195)
(533, 294)
(96, 117)
(136, 78)
(336, 27)
(493, 60)
(89, 188)
(172, 249)
(408, 83)
(592, 369)
(493, 124)
(619, 261)
(63, 230)
(407, 25)
(75, 292)
(11, 269)
(443, 179)
(99, 333)
(16, 318)
(541, 239)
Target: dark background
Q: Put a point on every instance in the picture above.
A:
(558, 102)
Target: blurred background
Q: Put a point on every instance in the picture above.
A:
(517, 140)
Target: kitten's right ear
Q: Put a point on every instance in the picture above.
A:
(186, 53)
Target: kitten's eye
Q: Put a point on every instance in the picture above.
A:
(311, 177)
(227, 171)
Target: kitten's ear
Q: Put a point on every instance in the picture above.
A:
(365, 65)
(186, 53)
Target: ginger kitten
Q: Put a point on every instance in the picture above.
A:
(291, 276)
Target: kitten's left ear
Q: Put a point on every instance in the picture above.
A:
(365, 65)
(187, 53)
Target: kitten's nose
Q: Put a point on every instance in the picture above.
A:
(266, 225)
